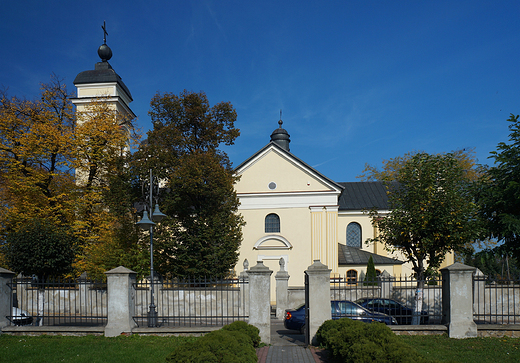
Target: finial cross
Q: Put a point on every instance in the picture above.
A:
(105, 33)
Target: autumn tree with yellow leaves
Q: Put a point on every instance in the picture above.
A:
(68, 172)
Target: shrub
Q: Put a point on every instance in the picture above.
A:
(249, 330)
(357, 342)
(220, 346)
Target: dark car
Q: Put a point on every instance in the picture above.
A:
(402, 313)
(295, 318)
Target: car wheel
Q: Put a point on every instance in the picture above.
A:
(302, 329)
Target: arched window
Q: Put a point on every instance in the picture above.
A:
(351, 276)
(272, 223)
(354, 235)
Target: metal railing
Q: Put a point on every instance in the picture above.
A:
(193, 301)
(394, 296)
(58, 302)
(496, 300)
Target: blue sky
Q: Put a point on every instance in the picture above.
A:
(358, 81)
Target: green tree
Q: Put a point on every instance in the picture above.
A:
(203, 232)
(466, 158)
(499, 193)
(432, 213)
(40, 248)
(371, 276)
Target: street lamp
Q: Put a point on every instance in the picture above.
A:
(148, 223)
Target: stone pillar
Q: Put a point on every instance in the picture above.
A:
(120, 301)
(282, 290)
(319, 297)
(457, 301)
(386, 282)
(6, 277)
(259, 300)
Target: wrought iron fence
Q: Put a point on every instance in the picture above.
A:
(394, 296)
(193, 301)
(496, 300)
(57, 302)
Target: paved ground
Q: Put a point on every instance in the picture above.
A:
(288, 347)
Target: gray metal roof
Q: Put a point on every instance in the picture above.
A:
(356, 256)
(103, 73)
(363, 195)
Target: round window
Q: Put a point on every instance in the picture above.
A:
(272, 185)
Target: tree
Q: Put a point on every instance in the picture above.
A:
(104, 188)
(203, 233)
(465, 157)
(371, 276)
(432, 213)
(40, 248)
(35, 152)
(499, 193)
(42, 144)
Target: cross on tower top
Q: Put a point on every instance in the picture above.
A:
(105, 33)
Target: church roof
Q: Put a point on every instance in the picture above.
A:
(363, 195)
(103, 73)
(355, 256)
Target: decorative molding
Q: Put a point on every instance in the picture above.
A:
(283, 240)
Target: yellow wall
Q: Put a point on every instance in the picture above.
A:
(273, 167)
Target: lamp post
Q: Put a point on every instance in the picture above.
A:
(148, 223)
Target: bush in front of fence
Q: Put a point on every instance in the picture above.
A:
(220, 346)
(250, 330)
(357, 342)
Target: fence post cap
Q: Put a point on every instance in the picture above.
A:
(120, 270)
(4, 271)
(457, 266)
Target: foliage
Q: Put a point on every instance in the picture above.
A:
(220, 346)
(248, 329)
(433, 212)
(35, 155)
(358, 342)
(203, 233)
(371, 276)
(499, 194)
(42, 249)
(69, 170)
(497, 263)
(390, 170)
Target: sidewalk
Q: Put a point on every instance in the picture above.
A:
(288, 347)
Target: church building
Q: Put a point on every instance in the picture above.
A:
(292, 211)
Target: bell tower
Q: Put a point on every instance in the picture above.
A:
(103, 82)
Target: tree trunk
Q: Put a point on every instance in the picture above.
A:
(418, 302)
(41, 302)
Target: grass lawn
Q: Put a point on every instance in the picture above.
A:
(90, 349)
(472, 350)
(143, 349)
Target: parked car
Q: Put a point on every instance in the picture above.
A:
(402, 313)
(294, 319)
(21, 317)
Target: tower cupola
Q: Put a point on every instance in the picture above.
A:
(280, 136)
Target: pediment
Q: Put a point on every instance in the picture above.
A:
(274, 170)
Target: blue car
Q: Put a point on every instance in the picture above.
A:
(295, 318)
(402, 313)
